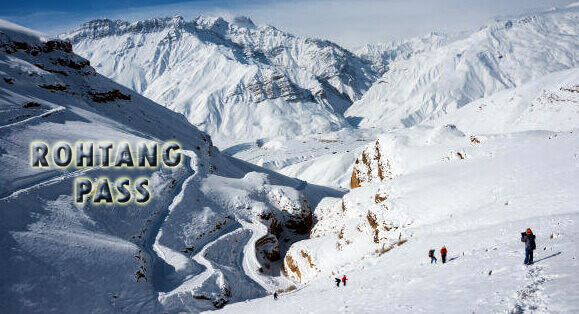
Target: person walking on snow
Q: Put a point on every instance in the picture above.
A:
(344, 280)
(338, 282)
(432, 257)
(275, 295)
(443, 252)
(529, 238)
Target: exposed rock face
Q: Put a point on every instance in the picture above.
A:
(268, 246)
(376, 164)
(291, 221)
(277, 85)
(60, 59)
(347, 229)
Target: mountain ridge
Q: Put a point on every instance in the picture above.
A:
(236, 74)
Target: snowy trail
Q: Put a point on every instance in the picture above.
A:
(197, 281)
(164, 253)
(161, 250)
(178, 260)
(48, 181)
(250, 262)
(43, 115)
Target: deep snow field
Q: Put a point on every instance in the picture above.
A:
(477, 207)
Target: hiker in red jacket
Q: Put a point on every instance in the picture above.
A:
(529, 238)
(344, 280)
(443, 252)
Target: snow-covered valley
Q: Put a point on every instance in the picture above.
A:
(327, 163)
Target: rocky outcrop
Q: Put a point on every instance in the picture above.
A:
(364, 222)
(375, 164)
(277, 85)
(59, 57)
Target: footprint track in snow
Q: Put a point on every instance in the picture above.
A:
(529, 298)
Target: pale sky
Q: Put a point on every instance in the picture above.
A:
(349, 23)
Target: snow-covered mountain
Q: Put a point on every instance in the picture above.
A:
(383, 54)
(550, 102)
(482, 143)
(214, 231)
(441, 79)
(229, 77)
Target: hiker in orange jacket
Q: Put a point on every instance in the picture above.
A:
(344, 279)
(443, 252)
(529, 238)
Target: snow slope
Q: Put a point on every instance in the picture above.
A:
(550, 102)
(214, 230)
(500, 56)
(324, 159)
(477, 205)
(229, 77)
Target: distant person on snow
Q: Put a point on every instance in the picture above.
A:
(344, 279)
(443, 252)
(529, 238)
(338, 282)
(432, 257)
(275, 295)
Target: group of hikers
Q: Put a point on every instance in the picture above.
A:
(443, 252)
(527, 237)
(343, 280)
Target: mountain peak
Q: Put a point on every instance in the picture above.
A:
(98, 28)
(222, 23)
(244, 21)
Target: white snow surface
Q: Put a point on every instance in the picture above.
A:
(500, 56)
(477, 207)
(550, 102)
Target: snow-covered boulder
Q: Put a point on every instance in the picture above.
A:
(363, 223)
(378, 162)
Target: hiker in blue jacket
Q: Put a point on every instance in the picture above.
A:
(529, 238)
(432, 257)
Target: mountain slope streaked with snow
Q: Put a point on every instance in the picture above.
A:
(500, 56)
(231, 78)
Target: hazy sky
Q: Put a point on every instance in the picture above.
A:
(350, 23)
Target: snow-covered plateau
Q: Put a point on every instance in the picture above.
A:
(327, 163)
